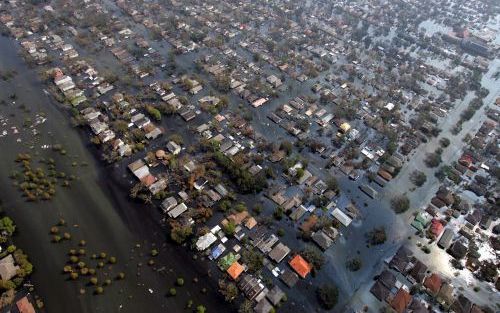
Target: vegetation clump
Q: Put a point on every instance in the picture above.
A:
(92, 270)
(39, 183)
(354, 264)
(400, 203)
(327, 296)
(377, 236)
(418, 178)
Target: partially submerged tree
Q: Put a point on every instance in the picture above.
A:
(400, 203)
(327, 296)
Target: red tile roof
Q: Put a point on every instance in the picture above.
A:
(401, 300)
(436, 227)
(235, 270)
(466, 160)
(148, 180)
(25, 306)
(433, 283)
(301, 266)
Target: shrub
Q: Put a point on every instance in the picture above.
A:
(445, 142)
(278, 213)
(377, 236)
(99, 290)
(354, 264)
(201, 309)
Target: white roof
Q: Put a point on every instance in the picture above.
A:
(215, 229)
(142, 172)
(341, 217)
(178, 210)
(367, 153)
(205, 241)
(168, 203)
(62, 80)
(259, 102)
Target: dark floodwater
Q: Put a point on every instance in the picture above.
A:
(96, 210)
(108, 222)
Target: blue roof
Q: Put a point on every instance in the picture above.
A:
(217, 252)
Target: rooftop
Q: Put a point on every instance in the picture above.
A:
(301, 266)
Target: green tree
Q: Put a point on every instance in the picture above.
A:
(179, 234)
(7, 225)
(433, 159)
(246, 307)
(400, 203)
(229, 228)
(120, 126)
(201, 309)
(278, 213)
(488, 271)
(7, 284)
(258, 209)
(332, 184)
(418, 178)
(228, 290)
(314, 256)
(253, 259)
(327, 296)
(354, 264)
(240, 207)
(286, 146)
(377, 236)
(445, 142)
(176, 138)
(180, 281)
(154, 112)
(300, 173)
(99, 290)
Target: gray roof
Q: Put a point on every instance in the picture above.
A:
(322, 240)
(7, 268)
(289, 278)
(380, 291)
(263, 307)
(168, 204)
(387, 278)
(275, 295)
(279, 252)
